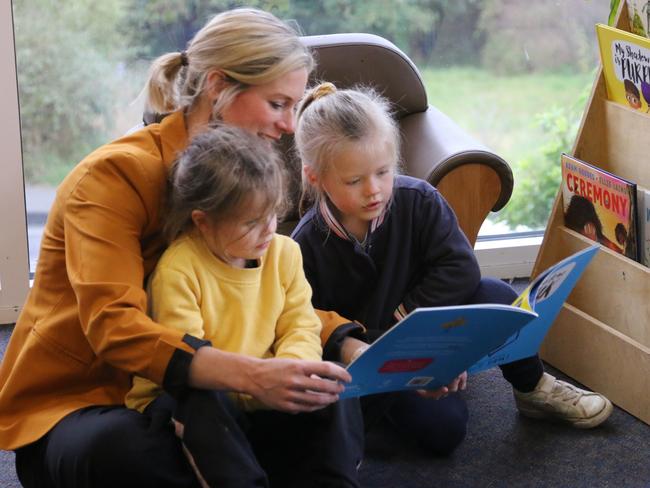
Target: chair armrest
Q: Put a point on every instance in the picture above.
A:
(472, 178)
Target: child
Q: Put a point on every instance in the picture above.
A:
(229, 279)
(377, 245)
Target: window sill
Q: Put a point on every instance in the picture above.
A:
(508, 257)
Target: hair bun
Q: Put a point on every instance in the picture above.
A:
(323, 90)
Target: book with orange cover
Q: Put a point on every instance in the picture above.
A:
(600, 206)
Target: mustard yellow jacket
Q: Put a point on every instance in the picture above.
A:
(84, 332)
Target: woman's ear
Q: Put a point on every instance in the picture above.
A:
(310, 176)
(215, 82)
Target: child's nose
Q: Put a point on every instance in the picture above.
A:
(372, 187)
(271, 225)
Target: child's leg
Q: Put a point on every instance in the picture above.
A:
(526, 373)
(216, 441)
(318, 449)
(538, 394)
(439, 426)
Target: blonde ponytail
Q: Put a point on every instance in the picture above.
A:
(249, 46)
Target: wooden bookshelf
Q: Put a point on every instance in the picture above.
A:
(601, 337)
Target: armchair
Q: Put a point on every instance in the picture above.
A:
(472, 178)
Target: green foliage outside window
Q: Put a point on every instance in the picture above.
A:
(538, 175)
(81, 62)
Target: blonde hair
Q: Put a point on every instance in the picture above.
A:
(249, 46)
(329, 119)
(220, 169)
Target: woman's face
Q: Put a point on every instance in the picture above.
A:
(268, 110)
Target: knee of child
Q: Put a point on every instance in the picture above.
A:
(445, 442)
(493, 290)
(437, 426)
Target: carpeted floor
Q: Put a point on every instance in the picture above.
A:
(501, 449)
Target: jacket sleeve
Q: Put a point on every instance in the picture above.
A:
(451, 273)
(105, 217)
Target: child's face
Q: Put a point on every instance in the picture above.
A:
(359, 182)
(245, 236)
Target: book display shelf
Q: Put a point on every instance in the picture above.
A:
(601, 337)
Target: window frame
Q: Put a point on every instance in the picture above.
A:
(14, 260)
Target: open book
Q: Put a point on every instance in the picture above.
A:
(432, 346)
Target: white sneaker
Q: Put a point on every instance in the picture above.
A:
(553, 398)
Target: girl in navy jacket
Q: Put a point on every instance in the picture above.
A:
(377, 245)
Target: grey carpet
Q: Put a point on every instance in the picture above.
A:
(501, 449)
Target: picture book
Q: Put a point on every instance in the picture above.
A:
(643, 202)
(639, 15)
(626, 66)
(600, 206)
(432, 346)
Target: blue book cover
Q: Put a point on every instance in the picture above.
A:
(432, 346)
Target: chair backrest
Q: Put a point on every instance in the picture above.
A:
(434, 148)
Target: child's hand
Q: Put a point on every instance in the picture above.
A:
(294, 386)
(459, 383)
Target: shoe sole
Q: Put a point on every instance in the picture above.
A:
(589, 423)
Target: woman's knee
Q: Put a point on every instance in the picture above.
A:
(102, 446)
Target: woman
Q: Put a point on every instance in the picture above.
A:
(84, 331)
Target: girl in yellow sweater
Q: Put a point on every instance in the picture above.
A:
(229, 279)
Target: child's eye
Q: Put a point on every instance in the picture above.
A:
(352, 182)
(276, 105)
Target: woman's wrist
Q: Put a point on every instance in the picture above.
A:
(358, 352)
(351, 349)
(214, 369)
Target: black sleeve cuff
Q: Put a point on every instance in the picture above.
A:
(332, 348)
(178, 370)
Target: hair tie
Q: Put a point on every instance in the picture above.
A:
(323, 90)
(184, 60)
(320, 91)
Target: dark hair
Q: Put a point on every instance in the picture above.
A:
(631, 88)
(218, 171)
(580, 212)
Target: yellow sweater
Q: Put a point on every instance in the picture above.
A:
(262, 312)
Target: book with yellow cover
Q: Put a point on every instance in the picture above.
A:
(626, 66)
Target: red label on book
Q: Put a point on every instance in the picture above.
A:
(404, 365)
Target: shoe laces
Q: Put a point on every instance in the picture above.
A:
(566, 392)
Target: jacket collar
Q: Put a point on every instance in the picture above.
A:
(335, 226)
(173, 136)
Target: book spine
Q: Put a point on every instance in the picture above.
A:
(643, 202)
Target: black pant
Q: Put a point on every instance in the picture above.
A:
(100, 447)
(105, 447)
(266, 448)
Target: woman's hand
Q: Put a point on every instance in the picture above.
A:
(295, 385)
(290, 385)
(351, 349)
(459, 383)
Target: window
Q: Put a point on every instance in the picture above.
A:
(14, 269)
(515, 74)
